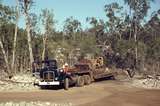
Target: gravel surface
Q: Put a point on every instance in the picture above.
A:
(20, 82)
(101, 93)
(38, 103)
(140, 81)
(146, 83)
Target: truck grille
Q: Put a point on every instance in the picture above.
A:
(48, 76)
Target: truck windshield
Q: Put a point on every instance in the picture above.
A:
(49, 63)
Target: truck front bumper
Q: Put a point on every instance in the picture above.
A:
(49, 83)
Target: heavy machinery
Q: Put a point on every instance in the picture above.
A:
(82, 73)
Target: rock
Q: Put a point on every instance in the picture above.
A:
(2, 104)
(9, 104)
(30, 104)
(158, 77)
(16, 104)
(149, 83)
(149, 76)
(21, 82)
(48, 103)
(37, 103)
(22, 103)
(28, 78)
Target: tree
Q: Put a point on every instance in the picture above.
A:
(71, 27)
(6, 15)
(48, 22)
(140, 9)
(97, 27)
(150, 36)
(114, 23)
(15, 35)
(25, 6)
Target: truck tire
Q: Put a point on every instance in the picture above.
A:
(80, 81)
(87, 79)
(66, 83)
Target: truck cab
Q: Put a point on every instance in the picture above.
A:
(49, 73)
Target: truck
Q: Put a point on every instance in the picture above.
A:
(84, 72)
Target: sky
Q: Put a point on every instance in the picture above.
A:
(79, 9)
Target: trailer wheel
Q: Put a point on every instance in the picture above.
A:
(87, 79)
(80, 81)
(66, 83)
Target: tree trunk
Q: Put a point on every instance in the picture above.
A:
(135, 39)
(130, 29)
(29, 39)
(135, 32)
(120, 36)
(15, 38)
(5, 58)
(44, 47)
(14, 48)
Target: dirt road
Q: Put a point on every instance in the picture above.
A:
(110, 93)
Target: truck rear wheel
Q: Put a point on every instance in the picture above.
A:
(66, 83)
(87, 79)
(80, 81)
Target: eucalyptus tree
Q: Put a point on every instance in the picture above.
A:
(72, 26)
(97, 27)
(151, 36)
(15, 34)
(6, 16)
(96, 23)
(115, 20)
(139, 9)
(48, 23)
(25, 7)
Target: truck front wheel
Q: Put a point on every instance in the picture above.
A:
(66, 83)
(80, 81)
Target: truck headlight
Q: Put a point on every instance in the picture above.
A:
(61, 70)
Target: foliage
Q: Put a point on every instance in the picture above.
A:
(71, 26)
(116, 31)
